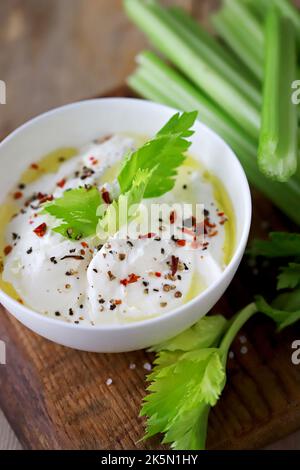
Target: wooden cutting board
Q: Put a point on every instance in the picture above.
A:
(57, 398)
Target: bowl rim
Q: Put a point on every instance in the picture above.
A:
(238, 252)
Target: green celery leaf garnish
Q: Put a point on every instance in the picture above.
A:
(289, 277)
(125, 206)
(77, 210)
(148, 172)
(163, 155)
(280, 245)
(181, 394)
(185, 384)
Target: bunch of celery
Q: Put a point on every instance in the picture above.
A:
(212, 80)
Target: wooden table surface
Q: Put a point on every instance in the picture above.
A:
(57, 51)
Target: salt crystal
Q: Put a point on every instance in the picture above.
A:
(265, 224)
(231, 355)
(244, 350)
(243, 339)
(132, 366)
(147, 366)
(109, 381)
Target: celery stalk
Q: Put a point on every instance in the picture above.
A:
(157, 81)
(202, 36)
(277, 155)
(289, 10)
(286, 8)
(211, 56)
(180, 51)
(243, 32)
(182, 94)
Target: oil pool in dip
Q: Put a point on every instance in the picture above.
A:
(123, 280)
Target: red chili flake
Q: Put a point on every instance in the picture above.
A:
(222, 222)
(172, 217)
(130, 280)
(158, 274)
(147, 235)
(34, 166)
(7, 250)
(118, 302)
(61, 183)
(18, 195)
(174, 264)
(45, 198)
(84, 244)
(106, 197)
(221, 214)
(41, 230)
(181, 242)
(94, 162)
(190, 222)
(82, 252)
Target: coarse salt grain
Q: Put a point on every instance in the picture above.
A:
(132, 366)
(147, 366)
(244, 350)
(231, 355)
(109, 381)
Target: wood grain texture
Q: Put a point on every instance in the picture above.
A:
(56, 398)
(57, 51)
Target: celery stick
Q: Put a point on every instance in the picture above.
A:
(176, 87)
(202, 36)
(277, 155)
(144, 87)
(183, 54)
(211, 57)
(286, 8)
(154, 83)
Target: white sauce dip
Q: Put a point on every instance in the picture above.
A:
(124, 280)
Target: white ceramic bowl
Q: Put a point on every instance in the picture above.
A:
(79, 123)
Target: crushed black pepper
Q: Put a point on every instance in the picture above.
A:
(111, 276)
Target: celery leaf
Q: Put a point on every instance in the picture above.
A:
(77, 210)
